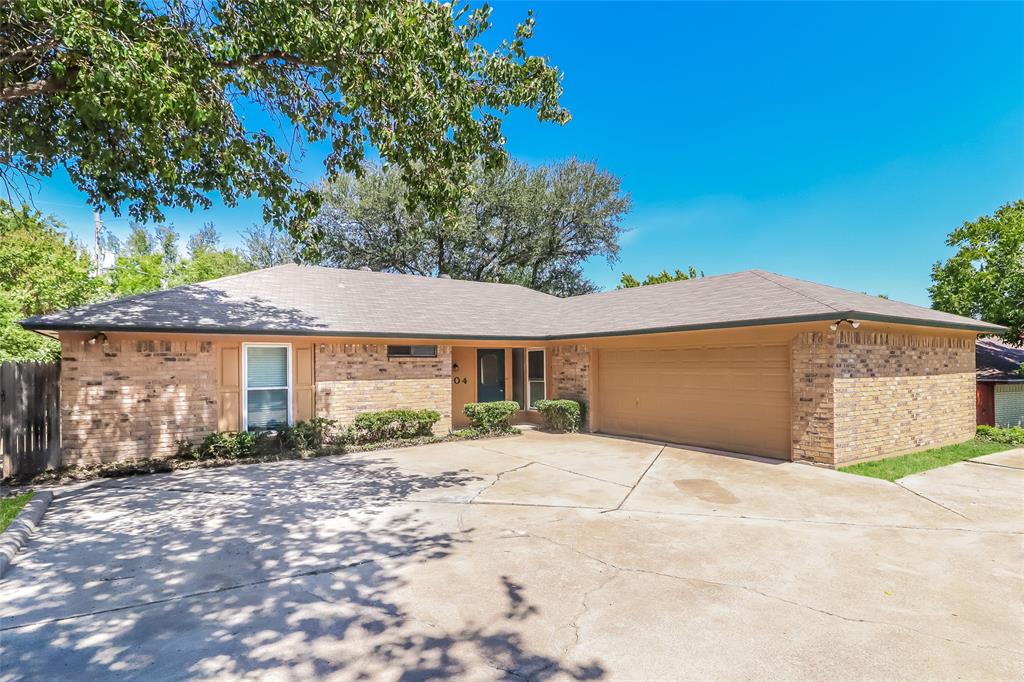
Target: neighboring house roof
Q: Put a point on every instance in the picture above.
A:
(998, 361)
(312, 300)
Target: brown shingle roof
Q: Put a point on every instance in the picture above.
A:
(328, 301)
(998, 361)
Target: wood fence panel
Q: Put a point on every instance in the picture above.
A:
(29, 417)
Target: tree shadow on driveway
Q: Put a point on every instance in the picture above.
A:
(288, 569)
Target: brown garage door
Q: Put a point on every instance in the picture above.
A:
(730, 397)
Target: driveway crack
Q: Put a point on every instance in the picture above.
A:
(925, 497)
(552, 466)
(993, 464)
(849, 524)
(575, 622)
(496, 479)
(231, 588)
(766, 595)
(633, 487)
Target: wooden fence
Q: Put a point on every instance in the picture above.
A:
(29, 417)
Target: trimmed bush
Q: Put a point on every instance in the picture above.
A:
(310, 434)
(491, 417)
(561, 415)
(224, 445)
(373, 427)
(1013, 435)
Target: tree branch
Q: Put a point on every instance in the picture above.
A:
(45, 86)
(24, 53)
(286, 57)
(262, 58)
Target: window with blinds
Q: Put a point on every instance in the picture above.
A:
(267, 387)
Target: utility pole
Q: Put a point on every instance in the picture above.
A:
(99, 226)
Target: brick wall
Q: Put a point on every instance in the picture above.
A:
(812, 365)
(897, 393)
(133, 399)
(570, 373)
(354, 378)
(860, 395)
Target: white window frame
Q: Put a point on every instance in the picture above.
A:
(526, 376)
(245, 380)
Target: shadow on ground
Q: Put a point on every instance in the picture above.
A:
(288, 568)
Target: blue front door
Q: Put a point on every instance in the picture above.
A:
(490, 372)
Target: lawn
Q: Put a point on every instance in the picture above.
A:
(9, 508)
(892, 468)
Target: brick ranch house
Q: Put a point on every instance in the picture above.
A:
(751, 362)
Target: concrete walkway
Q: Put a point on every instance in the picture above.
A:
(539, 556)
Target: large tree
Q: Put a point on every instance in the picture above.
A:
(153, 104)
(985, 277)
(41, 270)
(530, 226)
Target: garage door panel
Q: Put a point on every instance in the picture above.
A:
(729, 397)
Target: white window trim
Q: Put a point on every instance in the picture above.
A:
(245, 380)
(526, 376)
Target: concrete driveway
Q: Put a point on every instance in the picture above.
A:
(538, 556)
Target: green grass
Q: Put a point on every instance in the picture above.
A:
(9, 508)
(892, 468)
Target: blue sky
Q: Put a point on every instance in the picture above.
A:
(833, 142)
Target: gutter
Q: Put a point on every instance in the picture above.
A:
(981, 327)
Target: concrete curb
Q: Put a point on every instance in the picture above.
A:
(22, 527)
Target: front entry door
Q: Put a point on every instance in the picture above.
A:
(490, 374)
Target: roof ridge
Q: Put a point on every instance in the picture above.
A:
(430, 277)
(682, 282)
(762, 273)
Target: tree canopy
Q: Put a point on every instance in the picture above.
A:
(266, 247)
(154, 104)
(628, 281)
(534, 226)
(149, 260)
(984, 279)
(41, 270)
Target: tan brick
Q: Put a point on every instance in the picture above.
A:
(858, 395)
(570, 374)
(121, 400)
(354, 378)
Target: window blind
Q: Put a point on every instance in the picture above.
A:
(267, 367)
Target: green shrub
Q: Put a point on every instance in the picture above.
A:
(373, 427)
(561, 415)
(186, 449)
(311, 434)
(224, 445)
(1013, 435)
(491, 417)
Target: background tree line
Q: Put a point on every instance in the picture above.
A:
(534, 226)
